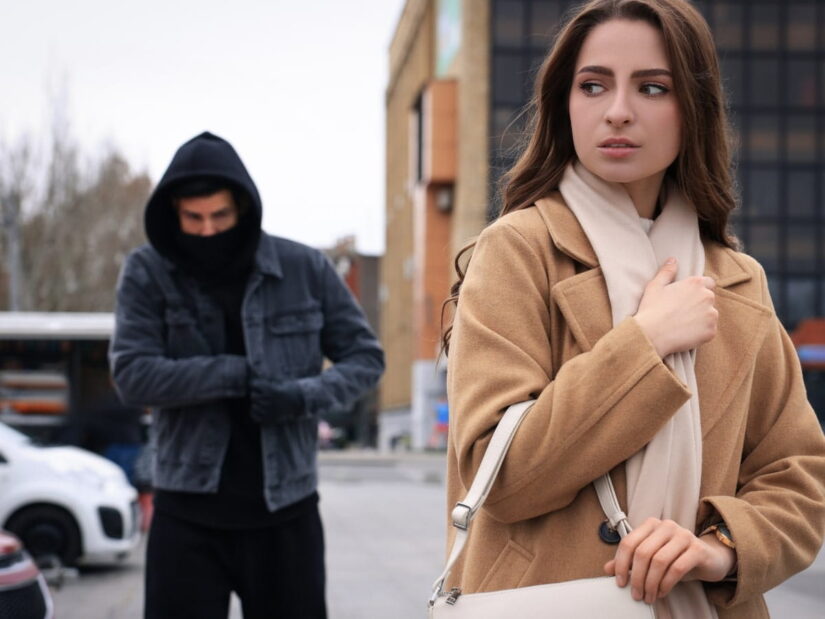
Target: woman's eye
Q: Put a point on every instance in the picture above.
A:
(654, 89)
(591, 88)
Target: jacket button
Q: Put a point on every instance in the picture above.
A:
(608, 535)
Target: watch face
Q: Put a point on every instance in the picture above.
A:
(724, 536)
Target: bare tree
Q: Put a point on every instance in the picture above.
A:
(68, 228)
(15, 188)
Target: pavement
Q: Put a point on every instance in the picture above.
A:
(384, 518)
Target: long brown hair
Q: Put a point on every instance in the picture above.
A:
(702, 169)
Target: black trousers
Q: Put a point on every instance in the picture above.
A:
(276, 571)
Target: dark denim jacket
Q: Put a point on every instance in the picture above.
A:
(296, 311)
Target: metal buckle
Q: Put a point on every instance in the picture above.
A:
(453, 596)
(461, 516)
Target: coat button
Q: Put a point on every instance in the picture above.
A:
(608, 535)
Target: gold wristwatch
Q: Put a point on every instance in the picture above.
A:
(722, 533)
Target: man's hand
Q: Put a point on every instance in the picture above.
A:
(660, 553)
(275, 402)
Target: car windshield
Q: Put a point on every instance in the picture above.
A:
(10, 435)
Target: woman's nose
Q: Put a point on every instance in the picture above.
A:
(619, 112)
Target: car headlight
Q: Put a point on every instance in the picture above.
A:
(85, 477)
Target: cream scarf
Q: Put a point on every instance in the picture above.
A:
(663, 478)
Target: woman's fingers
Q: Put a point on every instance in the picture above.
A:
(627, 548)
(662, 563)
(651, 559)
(654, 557)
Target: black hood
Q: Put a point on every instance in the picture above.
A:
(205, 155)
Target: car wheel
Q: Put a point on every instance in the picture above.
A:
(47, 531)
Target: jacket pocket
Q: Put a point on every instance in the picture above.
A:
(296, 342)
(509, 568)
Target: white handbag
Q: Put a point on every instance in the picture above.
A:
(575, 599)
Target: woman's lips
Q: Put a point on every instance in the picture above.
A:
(617, 150)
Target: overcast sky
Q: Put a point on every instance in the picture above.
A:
(296, 86)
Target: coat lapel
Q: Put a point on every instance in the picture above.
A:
(583, 301)
(743, 325)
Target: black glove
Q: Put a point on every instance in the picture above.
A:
(274, 402)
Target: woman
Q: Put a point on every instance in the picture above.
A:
(611, 292)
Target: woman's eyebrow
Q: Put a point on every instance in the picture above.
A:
(609, 72)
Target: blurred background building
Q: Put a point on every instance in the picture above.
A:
(461, 71)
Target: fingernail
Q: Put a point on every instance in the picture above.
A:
(670, 261)
(621, 581)
(637, 595)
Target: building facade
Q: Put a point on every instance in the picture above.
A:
(461, 73)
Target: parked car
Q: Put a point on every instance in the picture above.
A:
(64, 502)
(23, 590)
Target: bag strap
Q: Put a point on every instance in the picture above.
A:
(466, 509)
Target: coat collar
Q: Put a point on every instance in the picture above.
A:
(721, 263)
(583, 301)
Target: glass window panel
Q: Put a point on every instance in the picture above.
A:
(727, 25)
(801, 194)
(764, 81)
(764, 245)
(822, 83)
(763, 138)
(544, 21)
(701, 6)
(507, 79)
(507, 130)
(508, 22)
(801, 248)
(800, 138)
(736, 226)
(775, 290)
(763, 192)
(801, 300)
(801, 27)
(732, 80)
(764, 26)
(801, 77)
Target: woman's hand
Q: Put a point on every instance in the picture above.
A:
(660, 553)
(677, 316)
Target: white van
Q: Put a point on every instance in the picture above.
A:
(65, 502)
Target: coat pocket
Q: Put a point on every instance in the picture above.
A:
(509, 568)
(296, 342)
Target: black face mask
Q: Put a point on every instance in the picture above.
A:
(220, 257)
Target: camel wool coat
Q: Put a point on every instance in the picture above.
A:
(533, 321)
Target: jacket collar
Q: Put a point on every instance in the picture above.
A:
(267, 260)
(722, 264)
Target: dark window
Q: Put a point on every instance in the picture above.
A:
(727, 25)
(802, 301)
(801, 88)
(764, 26)
(764, 82)
(800, 30)
(508, 22)
(508, 79)
(800, 138)
(762, 195)
(763, 137)
(801, 194)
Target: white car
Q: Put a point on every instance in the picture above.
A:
(65, 502)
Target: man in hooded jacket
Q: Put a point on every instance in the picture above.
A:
(223, 329)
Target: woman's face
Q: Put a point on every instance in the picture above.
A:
(623, 112)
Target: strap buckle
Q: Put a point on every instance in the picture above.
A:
(461, 515)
